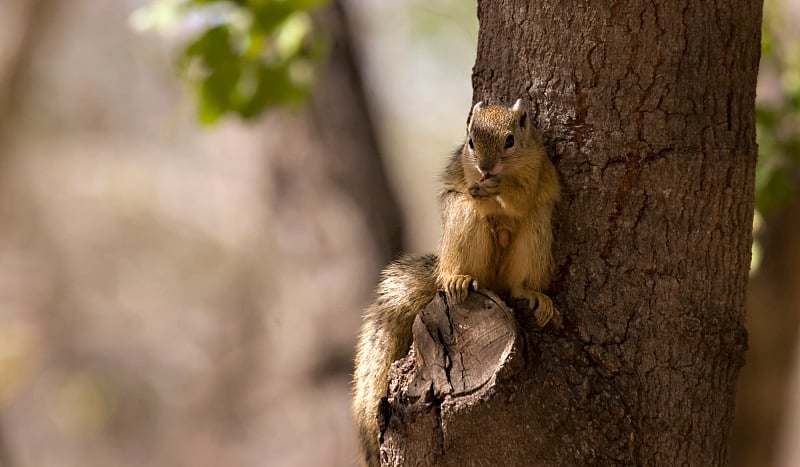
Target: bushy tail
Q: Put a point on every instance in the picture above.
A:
(406, 287)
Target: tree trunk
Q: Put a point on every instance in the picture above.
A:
(648, 110)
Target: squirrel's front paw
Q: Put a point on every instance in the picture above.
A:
(485, 189)
(544, 309)
(457, 287)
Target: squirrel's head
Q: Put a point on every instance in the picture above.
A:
(498, 136)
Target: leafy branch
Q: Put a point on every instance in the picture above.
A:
(246, 55)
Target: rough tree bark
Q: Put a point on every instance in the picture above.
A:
(648, 108)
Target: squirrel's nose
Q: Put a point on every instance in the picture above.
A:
(486, 170)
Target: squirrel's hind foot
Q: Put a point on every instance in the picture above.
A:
(543, 308)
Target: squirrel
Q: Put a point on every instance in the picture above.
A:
(497, 197)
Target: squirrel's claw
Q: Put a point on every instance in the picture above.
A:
(543, 309)
(457, 288)
(485, 189)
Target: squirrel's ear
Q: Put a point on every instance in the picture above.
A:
(475, 109)
(522, 115)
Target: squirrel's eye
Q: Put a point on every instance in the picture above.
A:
(509, 141)
(471, 144)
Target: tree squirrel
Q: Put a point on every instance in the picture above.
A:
(497, 197)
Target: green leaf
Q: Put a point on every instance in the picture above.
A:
(290, 35)
(774, 188)
(767, 117)
(214, 47)
(274, 87)
(267, 16)
(216, 93)
(264, 53)
(307, 4)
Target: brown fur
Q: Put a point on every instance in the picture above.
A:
(497, 232)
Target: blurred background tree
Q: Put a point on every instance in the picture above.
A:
(179, 296)
(765, 420)
(175, 296)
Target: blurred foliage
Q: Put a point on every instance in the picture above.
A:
(777, 118)
(244, 55)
